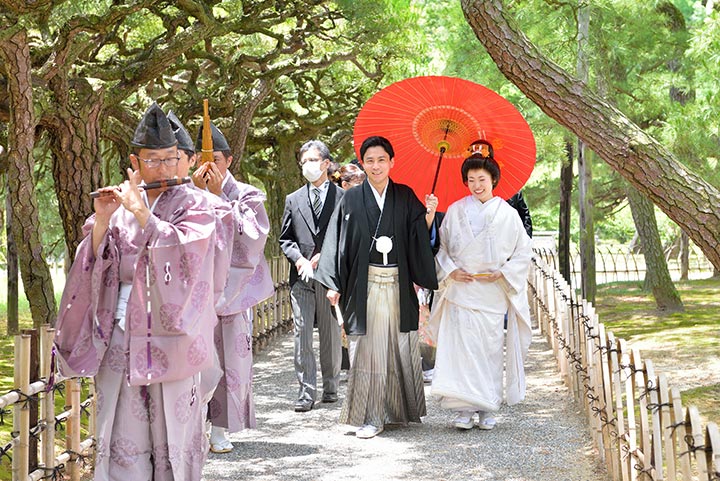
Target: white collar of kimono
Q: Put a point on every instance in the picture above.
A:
(147, 203)
(379, 197)
(225, 180)
(480, 204)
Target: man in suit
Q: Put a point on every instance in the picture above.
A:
(305, 220)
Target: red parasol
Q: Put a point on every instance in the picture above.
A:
(422, 115)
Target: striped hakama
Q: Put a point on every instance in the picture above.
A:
(385, 383)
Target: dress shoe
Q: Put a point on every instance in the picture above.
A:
(329, 397)
(303, 405)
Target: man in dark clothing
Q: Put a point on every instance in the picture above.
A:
(377, 246)
(305, 220)
(517, 201)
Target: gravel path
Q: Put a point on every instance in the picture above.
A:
(543, 439)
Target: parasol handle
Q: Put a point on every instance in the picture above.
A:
(444, 145)
(437, 171)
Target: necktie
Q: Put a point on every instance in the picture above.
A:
(317, 204)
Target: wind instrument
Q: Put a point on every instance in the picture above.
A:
(152, 185)
(206, 155)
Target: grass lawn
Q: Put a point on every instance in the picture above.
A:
(683, 345)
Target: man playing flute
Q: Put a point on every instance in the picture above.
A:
(138, 314)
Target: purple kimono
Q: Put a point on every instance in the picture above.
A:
(249, 282)
(152, 367)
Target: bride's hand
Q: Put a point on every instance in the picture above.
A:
(460, 275)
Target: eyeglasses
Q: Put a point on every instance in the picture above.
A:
(154, 163)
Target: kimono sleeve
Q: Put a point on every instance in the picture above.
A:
(87, 307)
(444, 264)
(420, 255)
(515, 266)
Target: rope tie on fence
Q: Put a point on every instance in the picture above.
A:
(37, 429)
(25, 399)
(690, 441)
(655, 407)
(77, 457)
(622, 367)
(53, 474)
(5, 451)
(85, 404)
(649, 387)
(643, 471)
(673, 427)
(59, 389)
(602, 349)
(59, 424)
(3, 412)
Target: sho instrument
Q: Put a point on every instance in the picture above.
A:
(158, 184)
(206, 154)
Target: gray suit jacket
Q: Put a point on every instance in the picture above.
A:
(302, 235)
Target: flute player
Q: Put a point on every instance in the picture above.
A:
(138, 314)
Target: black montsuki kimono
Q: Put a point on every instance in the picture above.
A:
(346, 252)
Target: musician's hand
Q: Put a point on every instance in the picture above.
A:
(131, 198)
(198, 177)
(214, 178)
(105, 206)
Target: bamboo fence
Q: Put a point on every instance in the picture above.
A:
(638, 423)
(615, 264)
(34, 451)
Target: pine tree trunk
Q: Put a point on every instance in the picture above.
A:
(657, 275)
(77, 166)
(284, 181)
(684, 256)
(566, 180)
(243, 115)
(585, 192)
(11, 261)
(684, 196)
(37, 281)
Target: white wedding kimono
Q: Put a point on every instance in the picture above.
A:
(467, 318)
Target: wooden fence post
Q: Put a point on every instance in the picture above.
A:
(21, 411)
(712, 446)
(72, 428)
(47, 402)
(696, 442)
(680, 431)
(609, 436)
(655, 406)
(666, 420)
(34, 375)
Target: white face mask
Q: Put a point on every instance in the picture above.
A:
(312, 171)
